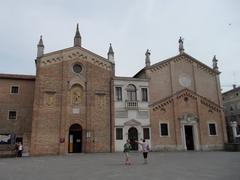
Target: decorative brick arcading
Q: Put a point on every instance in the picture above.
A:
(182, 59)
(51, 61)
(163, 104)
(182, 94)
(210, 104)
(186, 94)
(94, 60)
(206, 69)
(159, 67)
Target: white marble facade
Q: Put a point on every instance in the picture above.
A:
(132, 117)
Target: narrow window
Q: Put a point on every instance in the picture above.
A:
(144, 95)
(212, 129)
(14, 89)
(164, 129)
(146, 134)
(12, 115)
(119, 133)
(118, 93)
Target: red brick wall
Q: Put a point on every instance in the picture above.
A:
(52, 123)
(22, 103)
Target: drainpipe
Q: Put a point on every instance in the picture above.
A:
(111, 114)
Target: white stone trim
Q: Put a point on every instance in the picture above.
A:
(209, 147)
(81, 64)
(132, 123)
(9, 112)
(160, 133)
(13, 85)
(195, 135)
(170, 147)
(76, 81)
(216, 128)
(164, 147)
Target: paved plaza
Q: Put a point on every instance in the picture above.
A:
(104, 166)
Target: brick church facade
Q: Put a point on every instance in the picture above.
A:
(185, 104)
(69, 106)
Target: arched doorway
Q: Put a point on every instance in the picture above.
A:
(133, 136)
(75, 139)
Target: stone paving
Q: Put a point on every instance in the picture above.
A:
(105, 166)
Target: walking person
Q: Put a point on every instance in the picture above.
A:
(20, 149)
(145, 149)
(126, 149)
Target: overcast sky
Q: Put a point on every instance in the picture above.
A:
(209, 27)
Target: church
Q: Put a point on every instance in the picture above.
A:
(75, 103)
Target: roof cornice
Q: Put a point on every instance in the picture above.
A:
(185, 92)
(17, 76)
(163, 62)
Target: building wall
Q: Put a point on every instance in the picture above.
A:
(48, 106)
(179, 73)
(127, 117)
(206, 116)
(56, 81)
(163, 115)
(206, 84)
(160, 81)
(173, 114)
(22, 103)
(182, 74)
(231, 103)
(167, 81)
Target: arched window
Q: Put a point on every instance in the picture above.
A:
(131, 92)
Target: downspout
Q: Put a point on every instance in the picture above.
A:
(110, 114)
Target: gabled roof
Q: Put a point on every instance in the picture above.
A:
(185, 92)
(173, 58)
(72, 48)
(132, 122)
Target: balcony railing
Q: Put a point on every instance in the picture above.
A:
(131, 104)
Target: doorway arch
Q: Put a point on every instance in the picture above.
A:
(75, 139)
(133, 136)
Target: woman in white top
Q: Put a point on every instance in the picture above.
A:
(145, 149)
(20, 149)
